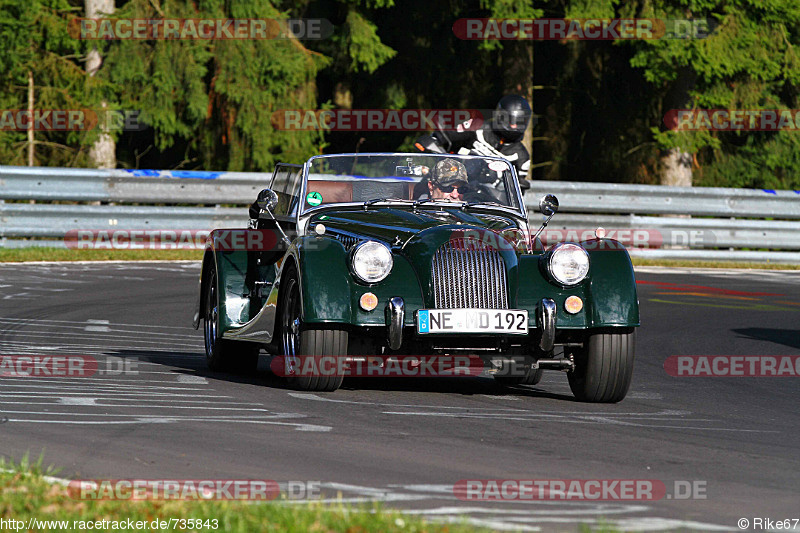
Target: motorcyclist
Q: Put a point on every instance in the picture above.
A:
(501, 136)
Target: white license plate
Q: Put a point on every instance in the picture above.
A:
(514, 321)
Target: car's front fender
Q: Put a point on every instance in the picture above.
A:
(612, 288)
(330, 293)
(608, 292)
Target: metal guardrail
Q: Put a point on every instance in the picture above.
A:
(636, 209)
(205, 187)
(696, 233)
(55, 220)
(580, 197)
(130, 186)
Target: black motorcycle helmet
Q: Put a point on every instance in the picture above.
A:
(511, 117)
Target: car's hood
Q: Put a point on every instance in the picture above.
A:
(398, 226)
(417, 235)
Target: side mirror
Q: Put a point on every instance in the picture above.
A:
(267, 200)
(548, 205)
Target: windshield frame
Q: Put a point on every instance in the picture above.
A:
(521, 212)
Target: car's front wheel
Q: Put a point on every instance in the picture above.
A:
(302, 345)
(222, 354)
(603, 367)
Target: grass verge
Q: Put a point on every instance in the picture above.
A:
(27, 494)
(17, 255)
(710, 264)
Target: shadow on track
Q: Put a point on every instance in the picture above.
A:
(456, 385)
(193, 363)
(787, 337)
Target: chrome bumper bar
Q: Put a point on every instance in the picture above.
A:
(546, 317)
(395, 314)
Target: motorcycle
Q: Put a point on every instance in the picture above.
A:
(488, 185)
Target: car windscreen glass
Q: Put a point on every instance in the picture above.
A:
(286, 185)
(409, 177)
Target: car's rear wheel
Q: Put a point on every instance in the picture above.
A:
(604, 367)
(300, 345)
(223, 354)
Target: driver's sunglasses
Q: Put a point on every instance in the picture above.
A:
(464, 189)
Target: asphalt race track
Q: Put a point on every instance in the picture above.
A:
(405, 441)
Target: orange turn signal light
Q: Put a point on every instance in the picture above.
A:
(573, 305)
(368, 301)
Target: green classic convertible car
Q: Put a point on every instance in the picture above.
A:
(395, 256)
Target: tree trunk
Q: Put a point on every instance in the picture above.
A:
(103, 151)
(343, 95)
(518, 68)
(676, 165)
(676, 168)
(31, 139)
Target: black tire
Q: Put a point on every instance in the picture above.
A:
(307, 342)
(603, 367)
(221, 354)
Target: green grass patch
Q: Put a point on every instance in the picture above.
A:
(710, 264)
(16, 255)
(26, 494)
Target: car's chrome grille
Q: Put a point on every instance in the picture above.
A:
(468, 273)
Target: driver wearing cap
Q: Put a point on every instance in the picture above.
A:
(448, 181)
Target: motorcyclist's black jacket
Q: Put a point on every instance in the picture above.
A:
(484, 141)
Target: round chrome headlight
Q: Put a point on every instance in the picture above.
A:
(372, 261)
(568, 264)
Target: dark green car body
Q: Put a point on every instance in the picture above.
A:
(318, 252)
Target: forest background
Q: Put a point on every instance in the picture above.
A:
(599, 105)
